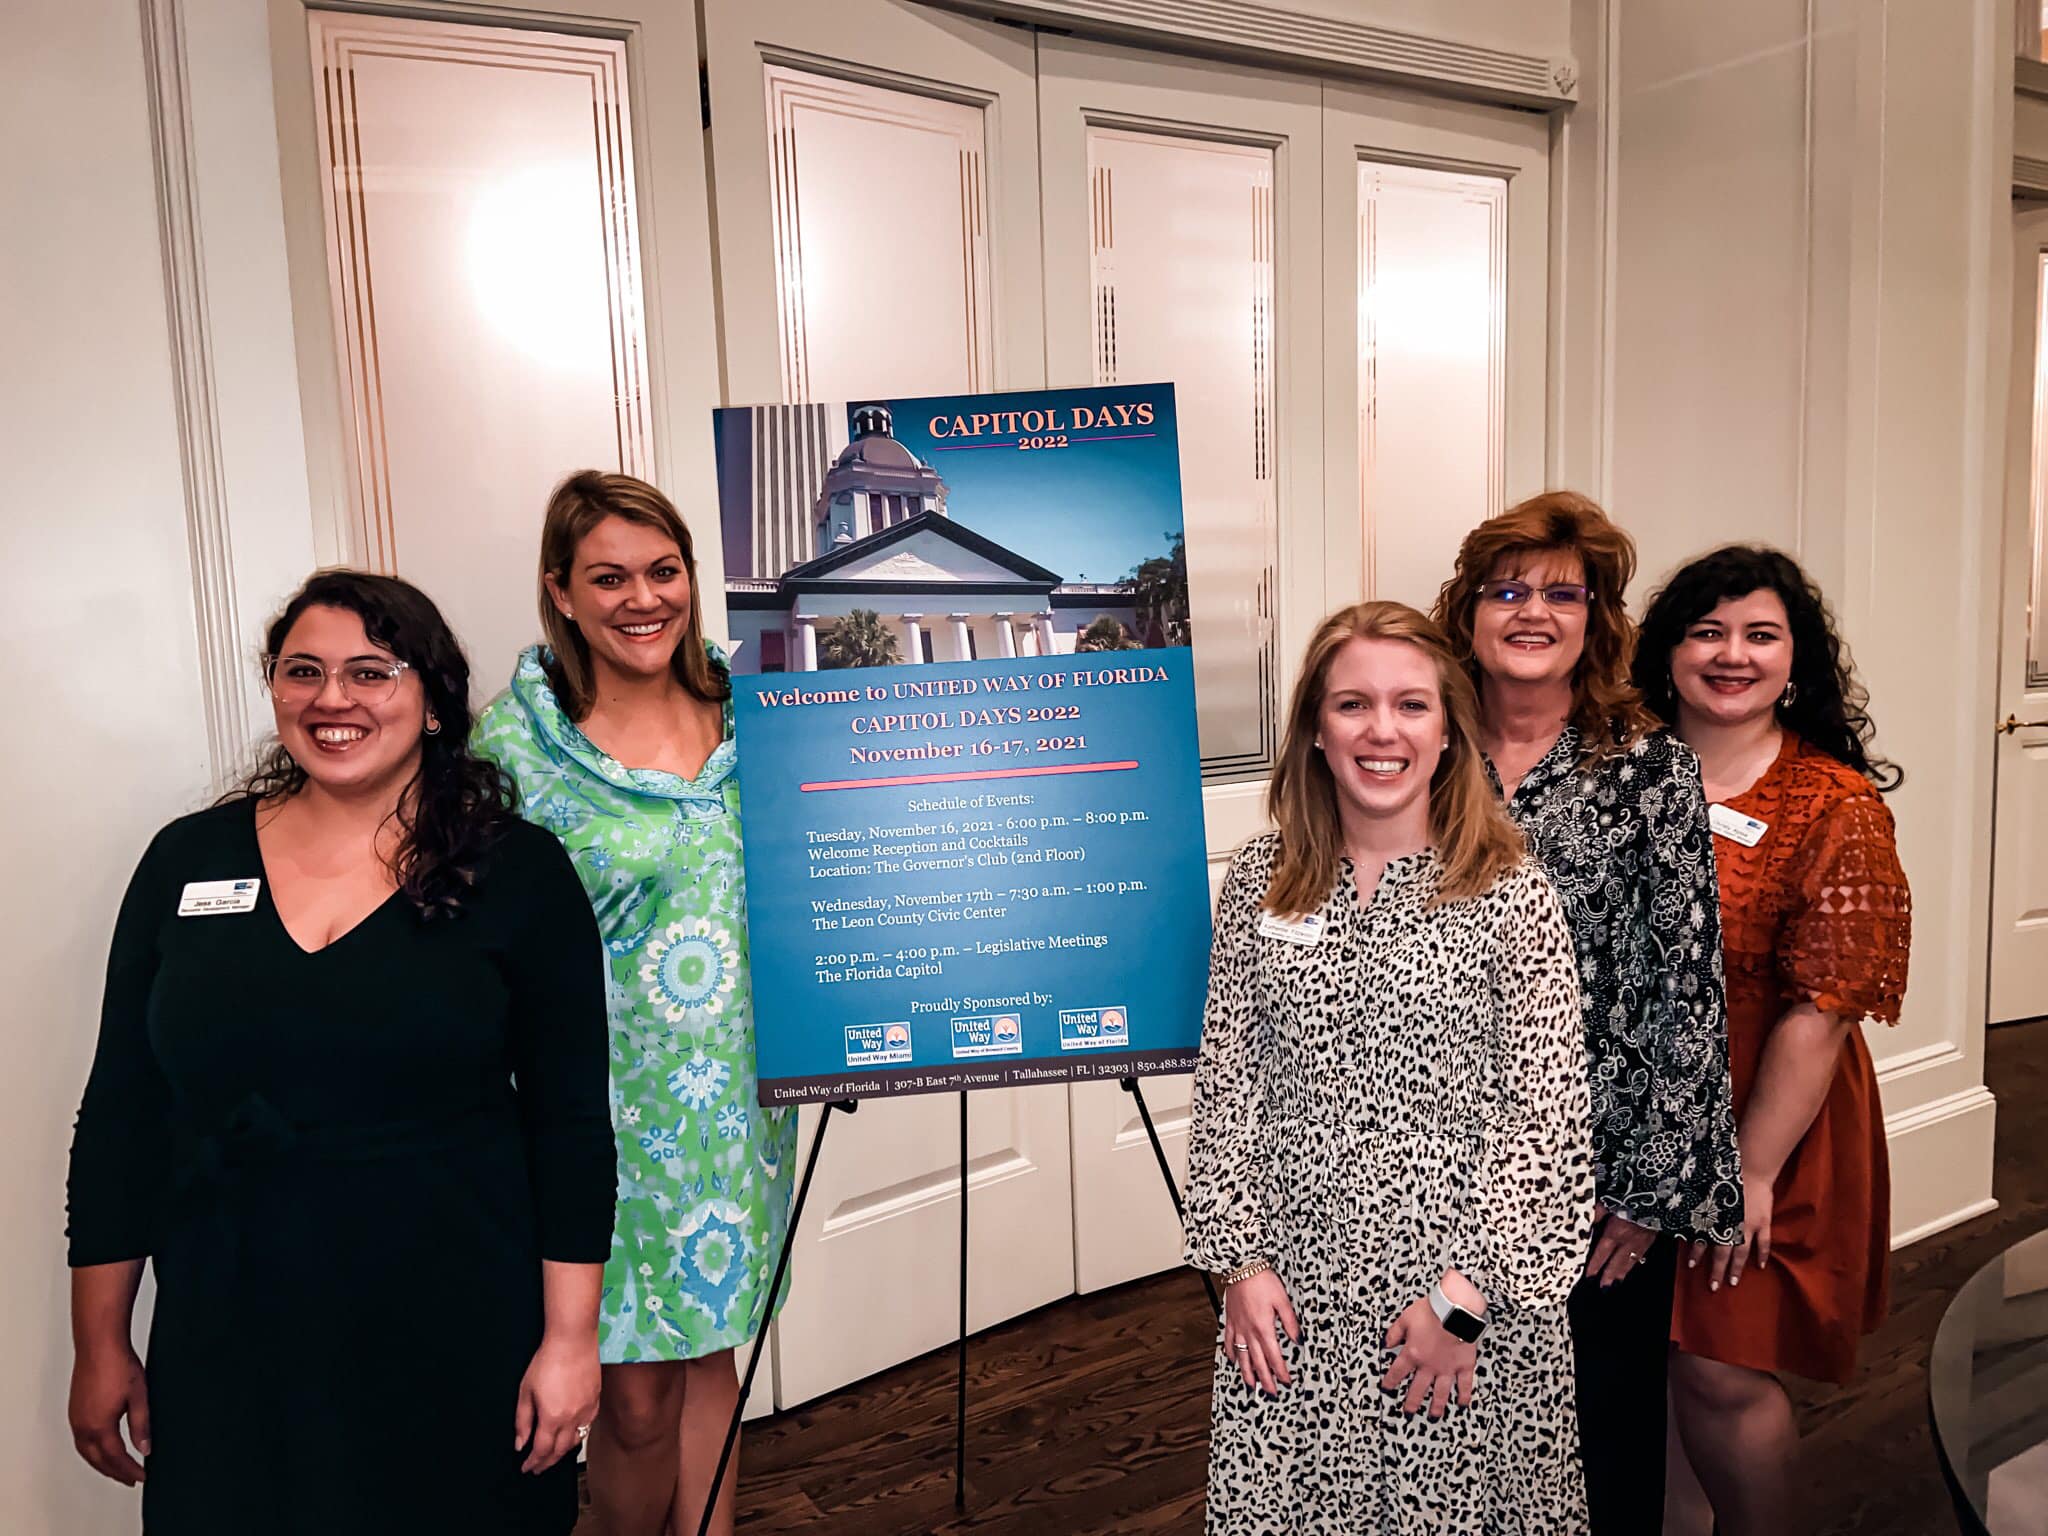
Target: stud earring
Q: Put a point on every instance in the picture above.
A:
(1319, 743)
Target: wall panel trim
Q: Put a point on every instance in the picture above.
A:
(193, 380)
(1941, 1154)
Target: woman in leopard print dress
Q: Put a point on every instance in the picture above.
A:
(1390, 1137)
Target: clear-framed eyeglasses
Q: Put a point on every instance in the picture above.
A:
(1556, 594)
(302, 679)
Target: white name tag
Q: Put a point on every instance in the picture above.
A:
(218, 898)
(1304, 930)
(1735, 826)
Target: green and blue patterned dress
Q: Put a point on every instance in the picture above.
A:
(705, 1173)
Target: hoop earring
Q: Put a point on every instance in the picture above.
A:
(433, 726)
(1791, 693)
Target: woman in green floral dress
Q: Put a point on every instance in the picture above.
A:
(618, 734)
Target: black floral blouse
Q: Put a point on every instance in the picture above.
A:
(1625, 841)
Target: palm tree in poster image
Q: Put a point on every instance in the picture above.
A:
(860, 639)
(1105, 634)
(1160, 586)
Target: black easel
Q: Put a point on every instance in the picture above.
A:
(847, 1106)
(960, 1418)
(803, 1191)
(1130, 1086)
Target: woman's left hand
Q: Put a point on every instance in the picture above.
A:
(1758, 1198)
(557, 1401)
(1618, 1247)
(1437, 1368)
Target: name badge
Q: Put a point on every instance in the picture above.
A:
(1303, 930)
(218, 898)
(1735, 826)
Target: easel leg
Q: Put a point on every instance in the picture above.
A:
(960, 1425)
(796, 1211)
(1130, 1086)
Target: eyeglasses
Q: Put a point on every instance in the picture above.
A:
(301, 679)
(1558, 594)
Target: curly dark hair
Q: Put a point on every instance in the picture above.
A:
(1829, 706)
(457, 804)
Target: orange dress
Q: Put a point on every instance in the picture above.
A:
(1817, 911)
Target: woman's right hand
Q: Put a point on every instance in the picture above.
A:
(1250, 1308)
(106, 1386)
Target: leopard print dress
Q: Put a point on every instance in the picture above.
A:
(1405, 1094)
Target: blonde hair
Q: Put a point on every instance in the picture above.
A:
(1474, 839)
(1606, 707)
(575, 507)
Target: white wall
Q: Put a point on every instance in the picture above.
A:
(1710, 273)
(103, 710)
(1808, 253)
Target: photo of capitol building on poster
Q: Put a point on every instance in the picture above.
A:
(952, 528)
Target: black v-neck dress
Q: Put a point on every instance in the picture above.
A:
(346, 1167)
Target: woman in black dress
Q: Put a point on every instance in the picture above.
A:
(349, 1102)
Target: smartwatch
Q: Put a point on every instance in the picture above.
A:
(1461, 1325)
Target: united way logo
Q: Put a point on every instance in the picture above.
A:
(877, 1045)
(988, 1034)
(1094, 1029)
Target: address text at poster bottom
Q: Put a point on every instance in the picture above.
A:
(894, 1082)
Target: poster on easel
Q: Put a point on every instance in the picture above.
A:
(970, 786)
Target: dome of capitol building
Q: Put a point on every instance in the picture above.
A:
(875, 483)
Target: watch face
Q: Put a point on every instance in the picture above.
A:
(1463, 1326)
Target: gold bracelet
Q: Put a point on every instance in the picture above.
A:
(1246, 1270)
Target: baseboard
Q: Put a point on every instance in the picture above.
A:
(1941, 1157)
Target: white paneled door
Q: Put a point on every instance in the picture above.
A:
(483, 273)
(1183, 239)
(876, 203)
(1436, 259)
(876, 170)
(2019, 871)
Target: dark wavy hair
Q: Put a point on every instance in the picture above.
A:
(457, 804)
(1829, 706)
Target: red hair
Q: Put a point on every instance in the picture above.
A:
(1606, 706)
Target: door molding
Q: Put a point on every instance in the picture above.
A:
(1269, 34)
(216, 612)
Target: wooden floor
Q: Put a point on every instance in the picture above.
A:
(1092, 1415)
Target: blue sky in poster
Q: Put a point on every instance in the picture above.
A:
(1091, 513)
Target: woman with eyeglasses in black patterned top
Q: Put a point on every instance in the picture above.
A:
(1614, 812)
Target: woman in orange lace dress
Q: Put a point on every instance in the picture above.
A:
(1740, 653)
